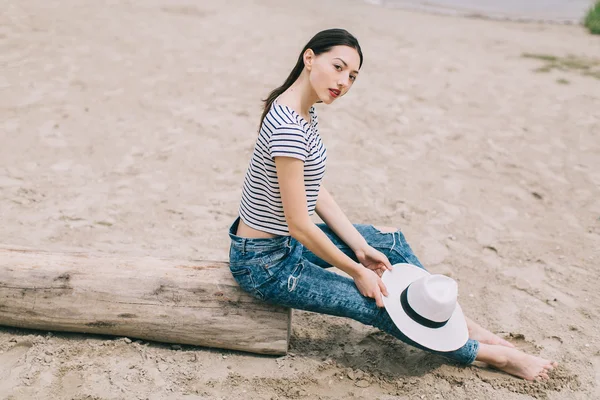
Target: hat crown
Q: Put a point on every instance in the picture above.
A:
(433, 297)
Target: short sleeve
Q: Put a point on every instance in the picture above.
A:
(288, 140)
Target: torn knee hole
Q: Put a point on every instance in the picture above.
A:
(386, 229)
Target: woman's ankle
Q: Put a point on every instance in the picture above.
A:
(492, 354)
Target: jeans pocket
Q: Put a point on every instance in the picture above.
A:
(243, 276)
(275, 261)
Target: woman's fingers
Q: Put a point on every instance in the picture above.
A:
(379, 292)
(384, 262)
(388, 264)
(370, 285)
(378, 298)
(382, 287)
(385, 266)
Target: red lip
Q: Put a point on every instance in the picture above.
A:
(334, 93)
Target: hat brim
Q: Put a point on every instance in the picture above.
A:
(449, 337)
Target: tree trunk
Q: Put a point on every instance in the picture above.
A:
(188, 302)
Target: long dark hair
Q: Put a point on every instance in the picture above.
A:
(322, 42)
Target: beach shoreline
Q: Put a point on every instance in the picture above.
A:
(571, 13)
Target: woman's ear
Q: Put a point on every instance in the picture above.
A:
(309, 57)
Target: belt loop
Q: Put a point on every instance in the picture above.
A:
(244, 246)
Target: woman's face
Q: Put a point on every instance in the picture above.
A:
(332, 74)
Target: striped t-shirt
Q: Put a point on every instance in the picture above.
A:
(283, 133)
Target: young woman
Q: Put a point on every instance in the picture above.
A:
(279, 255)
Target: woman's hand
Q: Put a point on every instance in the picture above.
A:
(373, 260)
(370, 285)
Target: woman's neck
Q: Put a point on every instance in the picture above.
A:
(300, 96)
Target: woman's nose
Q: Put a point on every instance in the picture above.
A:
(344, 82)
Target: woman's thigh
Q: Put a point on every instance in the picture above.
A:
(392, 244)
(310, 287)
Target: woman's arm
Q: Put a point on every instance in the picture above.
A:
(334, 217)
(290, 174)
(329, 211)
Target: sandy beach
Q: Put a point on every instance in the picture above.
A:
(126, 128)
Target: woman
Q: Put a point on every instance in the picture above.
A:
(279, 255)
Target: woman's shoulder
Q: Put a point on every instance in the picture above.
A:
(281, 115)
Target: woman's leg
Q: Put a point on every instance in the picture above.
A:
(392, 243)
(306, 286)
(492, 349)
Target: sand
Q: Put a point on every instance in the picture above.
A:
(126, 128)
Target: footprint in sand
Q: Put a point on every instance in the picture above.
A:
(8, 361)
(518, 339)
(551, 345)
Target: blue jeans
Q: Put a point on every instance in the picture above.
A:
(282, 271)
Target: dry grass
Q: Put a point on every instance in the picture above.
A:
(583, 65)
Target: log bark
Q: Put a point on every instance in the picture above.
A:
(165, 300)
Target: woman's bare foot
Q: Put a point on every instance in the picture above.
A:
(515, 362)
(482, 335)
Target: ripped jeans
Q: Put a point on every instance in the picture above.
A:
(282, 271)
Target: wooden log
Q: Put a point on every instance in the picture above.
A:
(175, 301)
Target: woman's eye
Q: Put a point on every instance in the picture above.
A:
(338, 67)
(352, 78)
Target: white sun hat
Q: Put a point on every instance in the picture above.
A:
(424, 307)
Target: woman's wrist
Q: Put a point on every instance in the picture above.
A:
(361, 247)
(356, 270)
(351, 268)
(360, 252)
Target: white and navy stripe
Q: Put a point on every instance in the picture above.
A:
(283, 133)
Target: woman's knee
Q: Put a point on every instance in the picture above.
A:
(396, 247)
(385, 238)
(386, 229)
